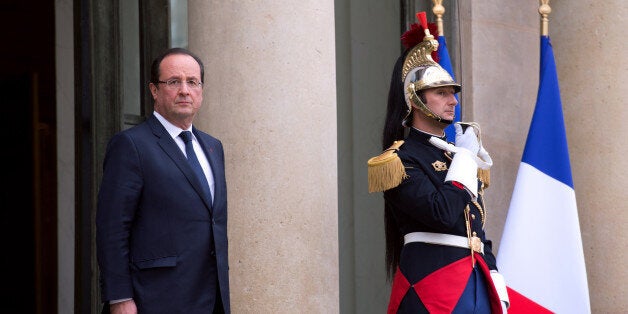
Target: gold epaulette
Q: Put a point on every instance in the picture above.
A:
(386, 171)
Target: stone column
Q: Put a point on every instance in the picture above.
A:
(270, 97)
(500, 75)
(592, 64)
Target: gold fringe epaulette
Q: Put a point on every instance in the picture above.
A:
(386, 171)
(485, 177)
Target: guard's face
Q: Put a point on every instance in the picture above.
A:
(442, 101)
(178, 103)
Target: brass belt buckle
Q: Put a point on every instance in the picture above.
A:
(475, 244)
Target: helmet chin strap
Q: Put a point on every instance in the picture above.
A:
(430, 114)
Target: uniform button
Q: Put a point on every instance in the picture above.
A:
(472, 216)
(212, 253)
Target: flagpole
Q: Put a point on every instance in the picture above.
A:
(438, 9)
(544, 10)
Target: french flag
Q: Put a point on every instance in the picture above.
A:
(540, 254)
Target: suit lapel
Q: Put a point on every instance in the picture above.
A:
(172, 149)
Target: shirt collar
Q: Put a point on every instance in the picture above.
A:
(442, 136)
(173, 130)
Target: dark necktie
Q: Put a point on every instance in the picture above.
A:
(193, 161)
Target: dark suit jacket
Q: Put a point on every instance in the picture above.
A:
(158, 240)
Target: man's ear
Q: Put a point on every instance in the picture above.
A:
(153, 89)
(415, 106)
(421, 97)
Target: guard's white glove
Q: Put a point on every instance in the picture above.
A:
(502, 292)
(486, 161)
(464, 165)
(504, 307)
(467, 139)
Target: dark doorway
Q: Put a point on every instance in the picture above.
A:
(28, 197)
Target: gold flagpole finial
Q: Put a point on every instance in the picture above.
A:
(545, 10)
(439, 10)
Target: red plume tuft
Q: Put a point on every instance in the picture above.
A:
(413, 36)
(422, 18)
(416, 34)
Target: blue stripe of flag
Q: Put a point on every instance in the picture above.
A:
(546, 146)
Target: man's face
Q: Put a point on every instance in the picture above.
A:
(442, 101)
(178, 104)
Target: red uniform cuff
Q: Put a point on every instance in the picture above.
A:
(458, 185)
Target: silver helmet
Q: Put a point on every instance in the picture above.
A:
(421, 72)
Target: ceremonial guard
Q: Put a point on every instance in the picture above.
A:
(437, 254)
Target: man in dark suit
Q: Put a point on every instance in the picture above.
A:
(161, 228)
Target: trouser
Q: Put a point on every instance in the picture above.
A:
(455, 288)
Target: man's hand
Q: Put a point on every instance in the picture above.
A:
(124, 307)
(467, 139)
